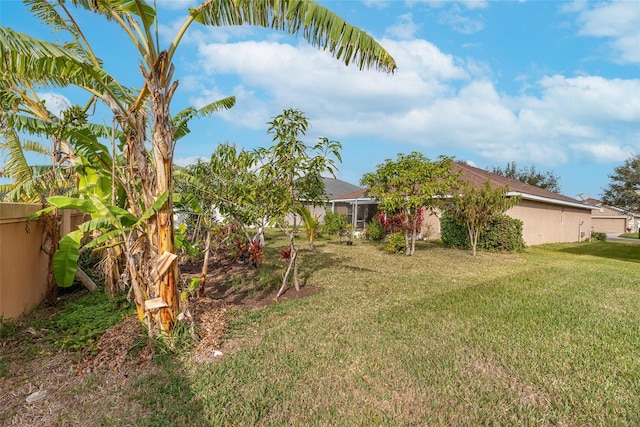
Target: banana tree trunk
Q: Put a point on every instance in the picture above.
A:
(161, 90)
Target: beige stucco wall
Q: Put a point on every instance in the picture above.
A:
(547, 223)
(23, 266)
(541, 223)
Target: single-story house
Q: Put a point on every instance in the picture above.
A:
(547, 217)
(611, 219)
(357, 206)
(333, 188)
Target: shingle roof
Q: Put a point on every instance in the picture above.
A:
(478, 177)
(335, 187)
(352, 196)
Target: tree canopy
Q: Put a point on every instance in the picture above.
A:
(624, 189)
(475, 207)
(407, 185)
(546, 180)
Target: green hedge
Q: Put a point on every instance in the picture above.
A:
(375, 230)
(453, 234)
(395, 243)
(503, 234)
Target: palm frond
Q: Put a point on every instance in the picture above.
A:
(319, 26)
(26, 61)
(182, 119)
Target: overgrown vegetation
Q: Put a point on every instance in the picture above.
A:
(545, 337)
(502, 234)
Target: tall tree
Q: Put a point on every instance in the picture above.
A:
(143, 114)
(409, 184)
(624, 189)
(547, 180)
(227, 184)
(474, 207)
(296, 169)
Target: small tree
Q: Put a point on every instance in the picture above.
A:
(295, 169)
(228, 184)
(476, 207)
(624, 189)
(409, 184)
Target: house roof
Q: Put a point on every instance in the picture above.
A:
(597, 204)
(335, 187)
(478, 177)
(358, 194)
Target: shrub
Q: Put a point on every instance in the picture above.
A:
(601, 237)
(453, 234)
(503, 233)
(395, 243)
(334, 224)
(375, 230)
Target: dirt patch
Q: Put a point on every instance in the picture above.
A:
(79, 388)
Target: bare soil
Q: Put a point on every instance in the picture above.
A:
(80, 387)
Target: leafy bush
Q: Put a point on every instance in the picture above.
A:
(334, 224)
(601, 237)
(453, 234)
(395, 243)
(375, 230)
(503, 233)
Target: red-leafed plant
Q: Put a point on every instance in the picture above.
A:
(285, 254)
(256, 254)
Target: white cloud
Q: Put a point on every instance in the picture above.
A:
(55, 102)
(606, 152)
(186, 161)
(378, 4)
(617, 21)
(460, 22)
(434, 100)
(404, 29)
(177, 4)
(469, 4)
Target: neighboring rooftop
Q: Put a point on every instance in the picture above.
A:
(479, 176)
(335, 187)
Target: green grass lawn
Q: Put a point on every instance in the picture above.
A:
(548, 337)
(630, 235)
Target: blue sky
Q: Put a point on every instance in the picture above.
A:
(546, 83)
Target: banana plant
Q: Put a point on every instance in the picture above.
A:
(27, 61)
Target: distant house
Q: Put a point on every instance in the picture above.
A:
(547, 217)
(611, 219)
(333, 188)
(357, 206)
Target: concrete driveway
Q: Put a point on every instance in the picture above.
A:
(613, 237)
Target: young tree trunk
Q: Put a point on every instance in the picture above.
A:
(205, 264)
(473, 236)
(414, 233)
(285, 279)
(407, 231)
